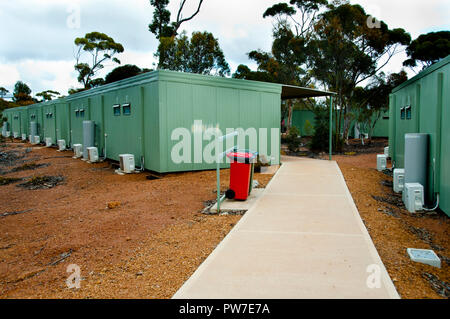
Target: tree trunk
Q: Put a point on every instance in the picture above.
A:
(289, 121)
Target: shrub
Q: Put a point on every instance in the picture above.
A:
(309, 128)
(320, 138)
(293, 139)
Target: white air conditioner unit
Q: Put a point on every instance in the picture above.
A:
(381, 162)
(8, 134)
(126, 163)
(77, 150)
(413, 197)
(37, 139)
(386, 151)
(61, 145)
(399, 179)
(15, 134)
(48, 141)
(92, 154)
(24, 137)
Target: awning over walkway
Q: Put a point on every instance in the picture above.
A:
(297, 92)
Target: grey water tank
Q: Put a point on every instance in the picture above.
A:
(88, 137)
(33, 131)
(416, 149)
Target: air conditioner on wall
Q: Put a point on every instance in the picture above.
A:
(77, 150)
(127, 163)
(61, 145)
(381, 162)
(92, 154)
(399, 179)
(48, 141)
(413, 197)
(15, 134)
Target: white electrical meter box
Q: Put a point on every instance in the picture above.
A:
(92, 154)
(386, 151)
(61, 145)
(381, 162)
(8, 134)
(37, 139)
(15, 134)
(24, 137)
(399, 179)
(77, 150)
(127, 163)
(30, 138)
(413, 197)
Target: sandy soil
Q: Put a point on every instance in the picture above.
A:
(393, 229)
(146, 246)
(155, 237)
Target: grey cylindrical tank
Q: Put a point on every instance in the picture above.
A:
(416, 148)
(88, 137)
(33, 131)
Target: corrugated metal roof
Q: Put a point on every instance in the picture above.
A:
(295, 92)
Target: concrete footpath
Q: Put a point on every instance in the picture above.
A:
(303, 238)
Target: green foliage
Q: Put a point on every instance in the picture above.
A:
(201, 54)
(309, 128)
(428, 49)
(293, 139)
(161, 19)
(347, 51)
(163, 29)
(22, 94)
(122, 72)
(3, 92)
(48, 95)
(102, 48)
(320, 139)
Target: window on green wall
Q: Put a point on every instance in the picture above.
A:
(402, 113)
(408, 112)
(126, 109)
(116, 109)
(82, 113)
(77, 112)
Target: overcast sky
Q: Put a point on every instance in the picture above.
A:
(37, 35)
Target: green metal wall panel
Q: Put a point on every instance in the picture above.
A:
(124, 132)
(76, 119)
(62, 121)
(49, 122)
(183, 101)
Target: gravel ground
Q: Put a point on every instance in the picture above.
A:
(150, 240)
(393, 229)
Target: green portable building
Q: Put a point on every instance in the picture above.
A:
(142, 115)
(152, 114)
(301, 118)
(422, 105)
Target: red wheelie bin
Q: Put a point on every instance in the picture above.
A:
(241, 174)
